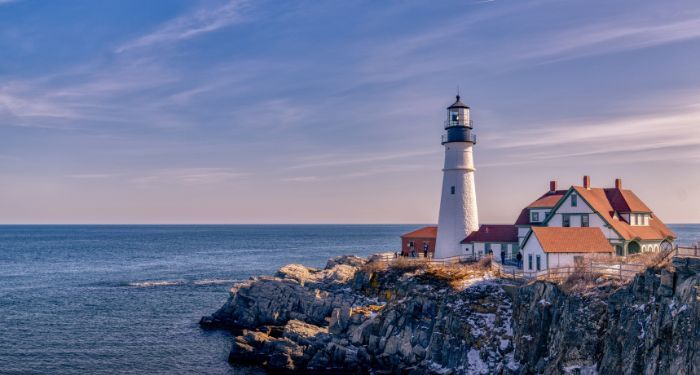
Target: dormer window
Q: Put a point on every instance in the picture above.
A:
(535, 216)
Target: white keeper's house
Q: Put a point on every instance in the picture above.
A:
(557, 229)
(561, 225)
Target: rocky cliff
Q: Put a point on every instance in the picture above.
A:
(359, 317)
(650, 326)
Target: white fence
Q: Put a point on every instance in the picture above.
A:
(686, 251)
(590, 268)
(419, 258)
(618, 270)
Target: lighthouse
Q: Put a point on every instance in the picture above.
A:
(458, 212)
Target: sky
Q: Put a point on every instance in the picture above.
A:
(331, 111)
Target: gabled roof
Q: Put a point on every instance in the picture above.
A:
(425, 232)
(597, 198)
(625, 201)
(572, 240)
(493, 233)
(546, 200)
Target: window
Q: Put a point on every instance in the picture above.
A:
(535, 216)
(411, 244)
(488, 248)
(634, 219)
(574, 200)
(454, 117)
(565, 221)
(529, 261)
(538, 263)
(452, 190)
(516, 249)
(584, 220)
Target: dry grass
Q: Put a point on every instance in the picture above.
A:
(484, 263)
(408, 264)
(580, 278)
(650, 259)
(451, 274)
(375, 266)
(454, 274)
(656, 260)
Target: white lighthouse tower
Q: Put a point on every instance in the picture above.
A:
(458, 213)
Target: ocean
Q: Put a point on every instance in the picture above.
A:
(127, 299)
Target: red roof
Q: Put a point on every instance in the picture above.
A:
(625, 201)
(572, 240)
(425, 232)
(493, 233)
(598, 198)
(547, 200)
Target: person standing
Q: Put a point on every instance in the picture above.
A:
(503, 256)
(520, 259)
(425, 250)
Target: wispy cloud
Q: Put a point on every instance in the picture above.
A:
(609, 37)
(340, 160)
(93, 176)
(188, 26)
(19, 104)
(301, 179)
(653, 136)
(187, 177)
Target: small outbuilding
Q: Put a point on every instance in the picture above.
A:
(494, 239)
(417, 242)
(552, 247)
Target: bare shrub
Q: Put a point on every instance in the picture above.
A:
(485, 262)
(581, 279)
(408, 264)
(453, 274)
(650, 259)
(375, 266)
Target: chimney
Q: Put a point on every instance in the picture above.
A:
(618, 183)
(587, 182)
(552, 186)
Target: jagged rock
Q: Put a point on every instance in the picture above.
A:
(649, 326)
(297, 292)
(304, 333)
(340, 273)
(348, 318)
(348, 260)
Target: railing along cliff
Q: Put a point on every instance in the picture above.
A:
(618, 270)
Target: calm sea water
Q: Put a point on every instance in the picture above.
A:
(127, 299)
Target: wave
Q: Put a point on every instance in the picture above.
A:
(146, 284)
(213, 281)
(156, 283)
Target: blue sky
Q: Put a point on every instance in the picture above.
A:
(331, 112)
